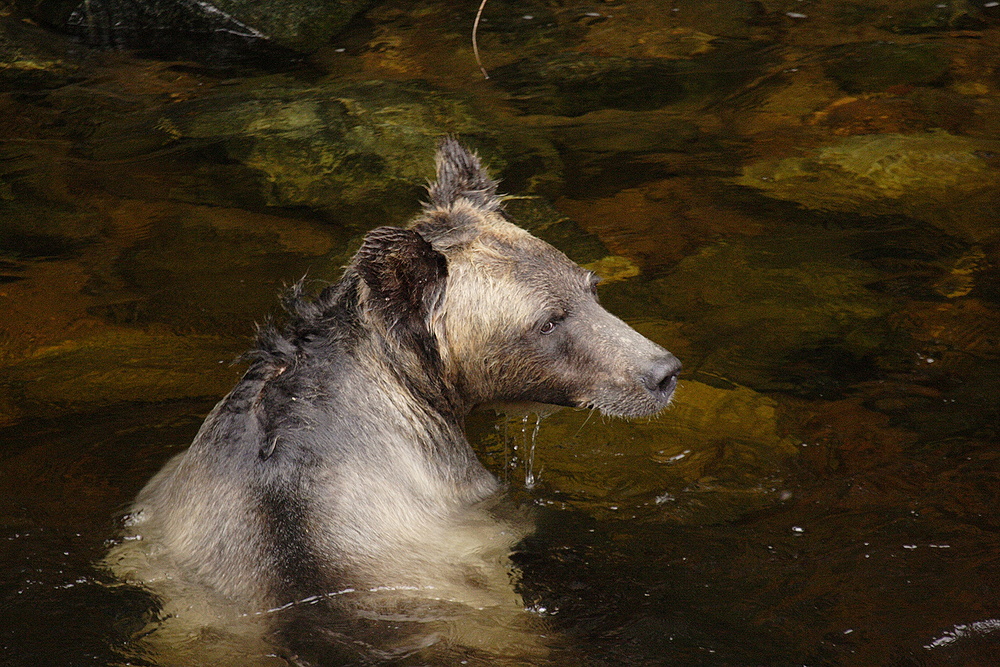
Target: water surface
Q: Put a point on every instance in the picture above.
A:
(798, 199)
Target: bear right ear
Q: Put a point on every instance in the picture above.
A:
(460, 174)
(405, 276)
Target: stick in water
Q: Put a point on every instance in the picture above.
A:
(475, 45)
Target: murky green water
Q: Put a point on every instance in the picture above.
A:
(799, 199)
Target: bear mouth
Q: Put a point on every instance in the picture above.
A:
(646, 403)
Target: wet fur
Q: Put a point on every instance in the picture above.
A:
(339, 461)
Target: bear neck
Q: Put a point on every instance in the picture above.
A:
(413, 407)
(408, 377)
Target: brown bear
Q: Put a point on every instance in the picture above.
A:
(338, 467)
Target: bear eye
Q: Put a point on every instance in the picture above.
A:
(554, 319)
(550, 324)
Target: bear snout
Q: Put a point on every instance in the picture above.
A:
(660, 377)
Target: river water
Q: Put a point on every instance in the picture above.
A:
(799, 199)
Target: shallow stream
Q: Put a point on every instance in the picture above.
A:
(800, 199)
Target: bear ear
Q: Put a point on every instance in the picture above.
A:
(460, 174)
(405, 276)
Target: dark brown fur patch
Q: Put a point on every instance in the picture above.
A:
(405, 275)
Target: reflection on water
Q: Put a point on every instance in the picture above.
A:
(798, 199)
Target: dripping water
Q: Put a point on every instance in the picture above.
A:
(518, 449)
(529, 466)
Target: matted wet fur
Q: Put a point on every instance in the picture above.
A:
(335, 481)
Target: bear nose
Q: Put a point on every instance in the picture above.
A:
(661, 377)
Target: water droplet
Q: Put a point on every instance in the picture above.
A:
(529, 470)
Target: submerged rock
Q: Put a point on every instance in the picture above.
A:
(876, 66)
(572, 84)
(116, 366)
(946, 180)
(614, 268)
(717, 453)
(935, 16)
(248, 259)
(31, 59)
(363, 149)
(542, 219)
(801, 321)
(303, 25)
(658, 223)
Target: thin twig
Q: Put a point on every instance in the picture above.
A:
(475, 45)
